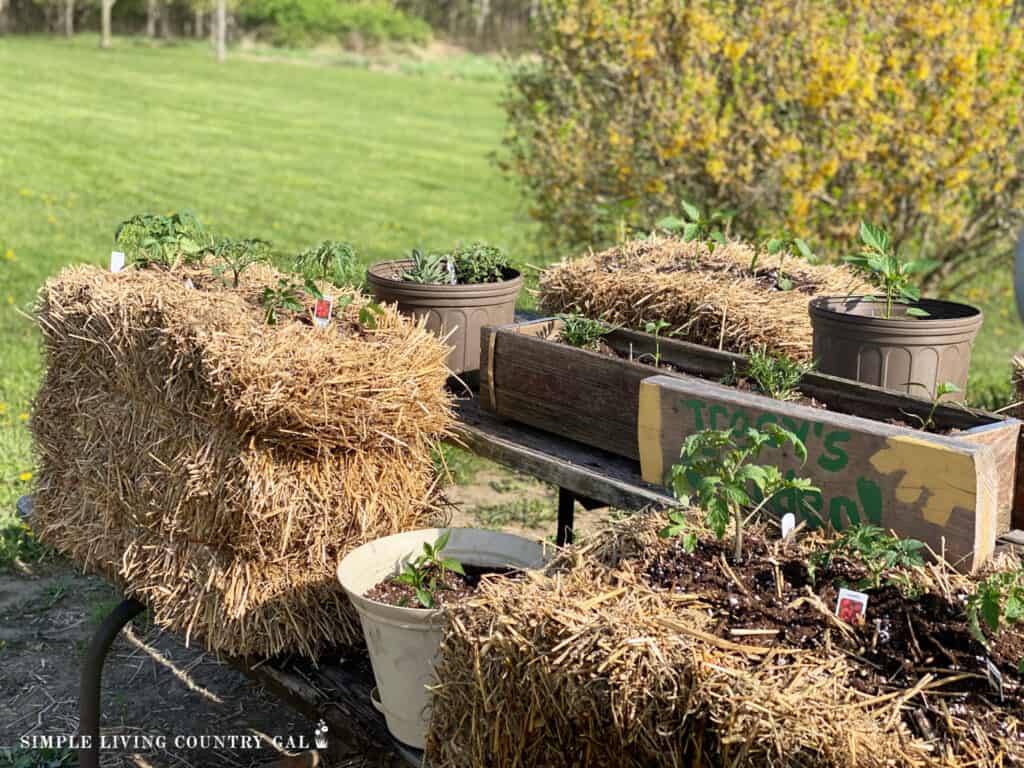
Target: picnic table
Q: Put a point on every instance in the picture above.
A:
(337, 688)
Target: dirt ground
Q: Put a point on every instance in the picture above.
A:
(154, 685)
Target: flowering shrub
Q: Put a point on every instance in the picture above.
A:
(803, 115)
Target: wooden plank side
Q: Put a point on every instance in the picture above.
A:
(936, 489)
(1004, 438)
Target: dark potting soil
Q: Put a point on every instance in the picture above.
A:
(454, 588)
(903, 636)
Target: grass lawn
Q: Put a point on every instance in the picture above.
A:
(260, 147)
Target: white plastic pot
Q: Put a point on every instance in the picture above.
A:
(403, 641)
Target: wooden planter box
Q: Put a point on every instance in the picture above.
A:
(955, 492)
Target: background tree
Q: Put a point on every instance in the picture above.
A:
(106, 11)
(221, 25)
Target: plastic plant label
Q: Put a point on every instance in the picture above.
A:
(788, 524)
(995, 677)
(322, 311)
(116, 261)
(851, 606)
(189, 284)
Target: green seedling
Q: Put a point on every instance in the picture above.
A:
(368, 313)
(427, 268)
(655, 328)
(875, 549)
(582, 332)
(286, 296)
(694, 225)
(479, 263)
(719, 475)
(778, 377)
(877, 258)
(782, 246)
(330, 263)
(236, 256)
(927, 423)
(679, 527)
(426, 574)
(149, 239)
(998, 601)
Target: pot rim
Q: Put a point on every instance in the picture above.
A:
(379, 274)
(966, 317)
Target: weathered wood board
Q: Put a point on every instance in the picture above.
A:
(933, 488)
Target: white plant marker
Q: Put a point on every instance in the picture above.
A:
(116, 261)
(788, 524)
(322, 311)
(450, 266)
(851, 606)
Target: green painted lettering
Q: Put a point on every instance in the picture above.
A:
(740, 422)
(696, 406)
(870, 499)
(713, 412)
(800, 430)
(839, 507)
(834, 458)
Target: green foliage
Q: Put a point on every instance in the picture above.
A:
(285, 296)
(875, 549)
(36, 758)
(368, 313)
(798, 115)
(655, 328)
(298, 23)
(236, 256)
(927, 423)
(781, 246)
(718, 473)
(997, 600)
(877, 259)
(330, 262)
(18, 544)
(428, 268)
(479, 263)
(694, 225)
(582, 332)
(679, 526)
(426, 574)
(148, 239)
(777, 377)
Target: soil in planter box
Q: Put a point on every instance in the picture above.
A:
(456, 587)
(770, 599)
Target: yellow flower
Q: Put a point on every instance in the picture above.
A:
(25, 192)
(51, 219)
(22, 416)
(10, 300)
(3, 408)
(9, 255)
(25, 477)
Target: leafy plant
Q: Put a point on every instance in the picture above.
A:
(426, 574)
(997, 600)
(928, 422)
(428, 268)
(479, 263)
(150, 239)
(368, 313)
(719, 474)
(781, 246)
(679, 526)
(875, 549)
(330, 262)
(285, 296)
(777, 377)
(236, 256)
(580, 331)
(694, 225)
(655, 328)
(877, 258)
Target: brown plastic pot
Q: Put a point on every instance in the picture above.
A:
(911, 354)
(461, 309)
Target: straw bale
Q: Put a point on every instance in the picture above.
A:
(583, 664)
(708, 297)
(219, 468)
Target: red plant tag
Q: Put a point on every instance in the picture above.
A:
(851, 606)
(322, 311)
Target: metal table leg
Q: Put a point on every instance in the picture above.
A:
(92, 674)
(566, 513)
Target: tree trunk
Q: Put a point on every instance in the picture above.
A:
(198, 24)
(69, 18)
(164, 17)
(106, 6)
(481, 17)
(222, 30)
(151, 18)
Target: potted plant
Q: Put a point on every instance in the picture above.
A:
(399, 585)
(459, 292)
(896, 339)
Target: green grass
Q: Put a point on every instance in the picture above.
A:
(263, 148)
(294, 154)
